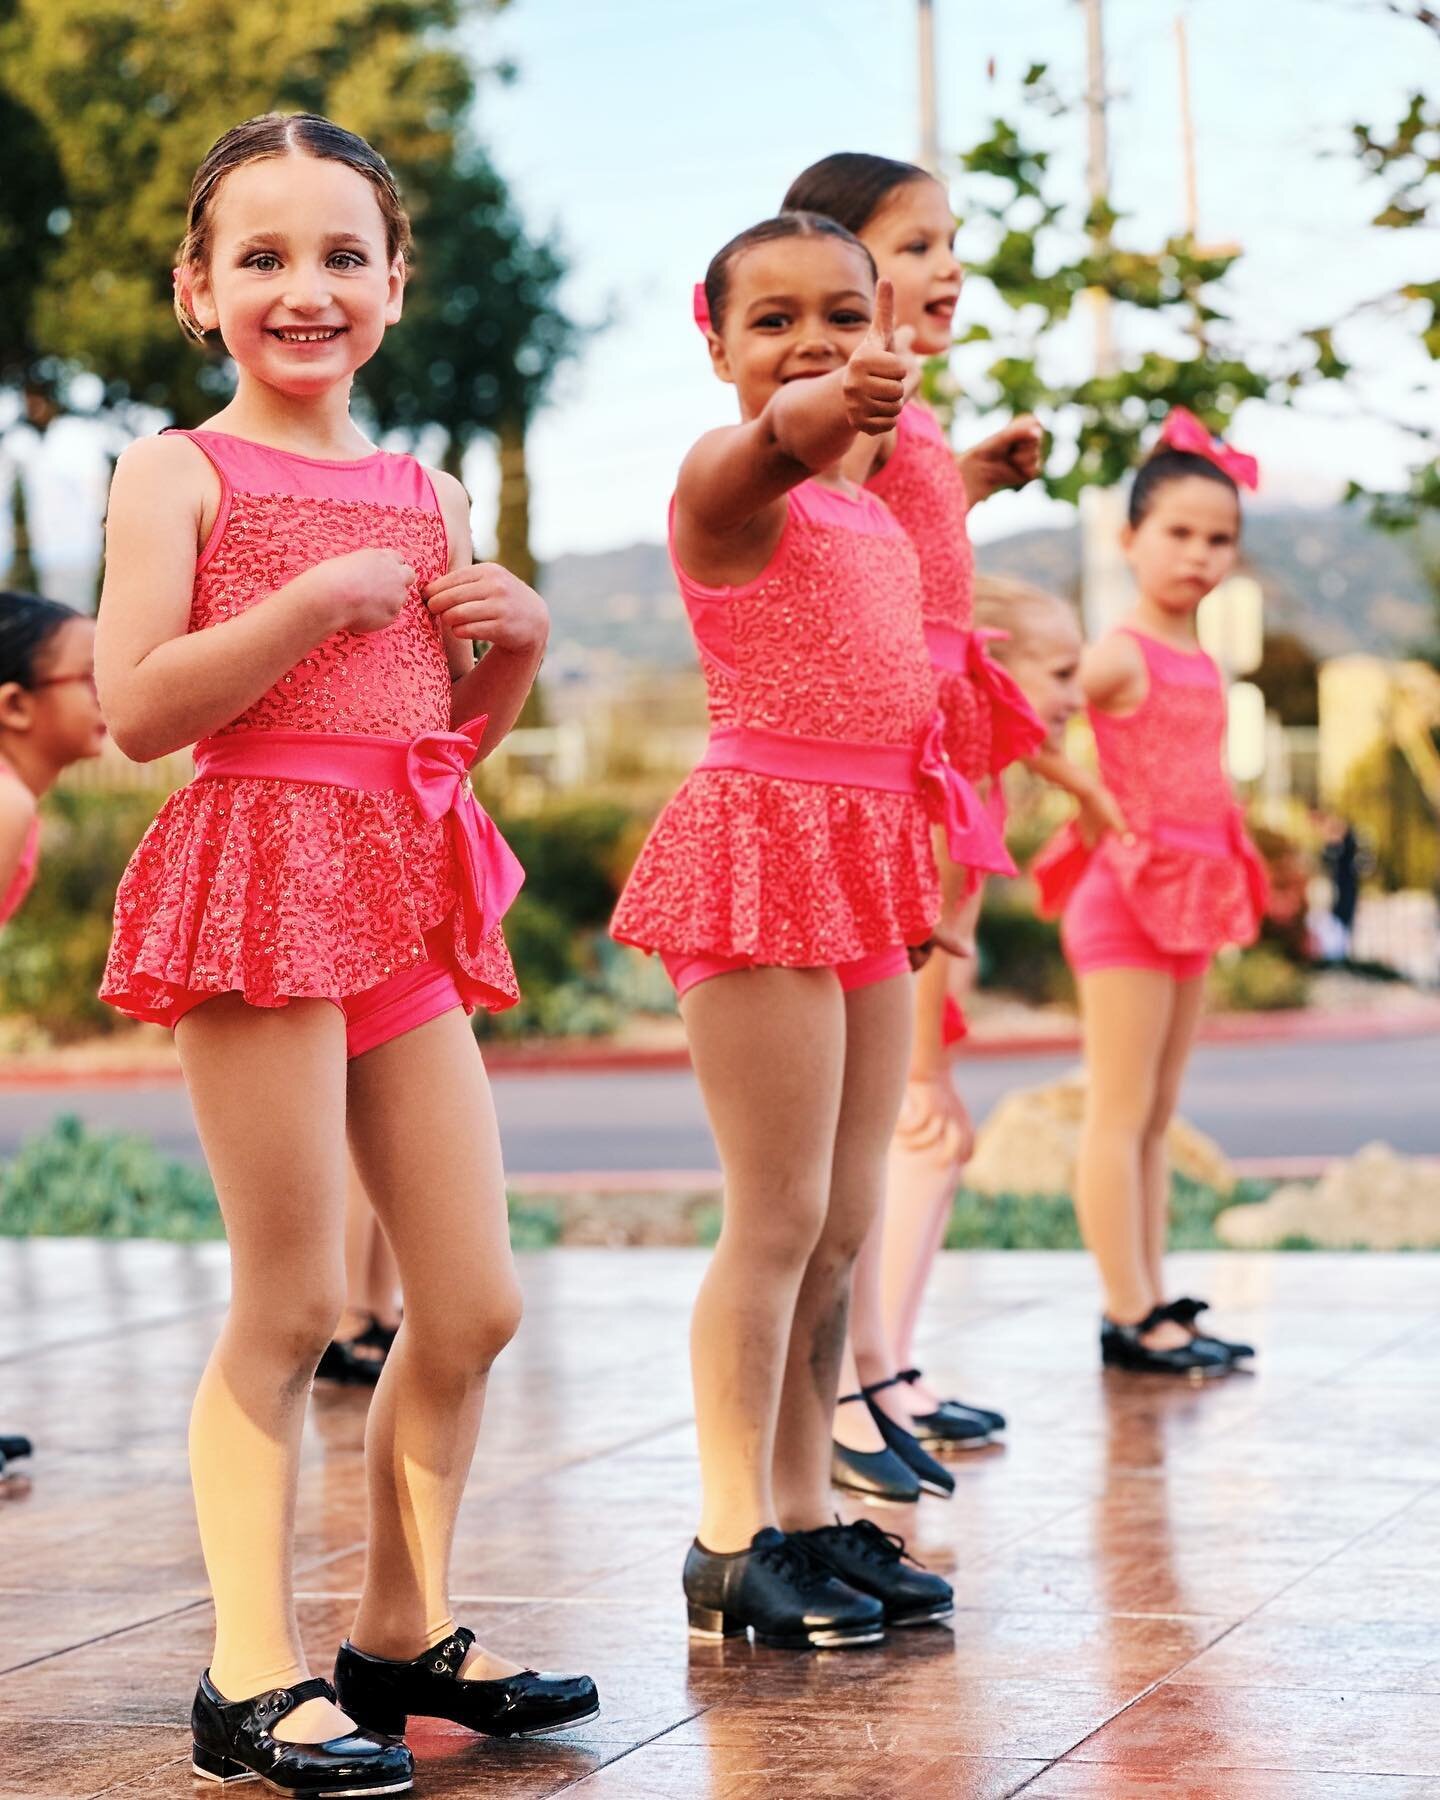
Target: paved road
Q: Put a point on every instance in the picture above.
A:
(1263, 1100)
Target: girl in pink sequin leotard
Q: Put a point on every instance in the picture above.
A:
(1145, 909)
(313, 915)
(904, 218)
(782, 887)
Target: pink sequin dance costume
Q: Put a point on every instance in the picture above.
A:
(988, 721)
(23, 878)
(1187, 879)
(329, 846)
(803, 838)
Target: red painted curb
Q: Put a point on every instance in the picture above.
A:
(585, 1057)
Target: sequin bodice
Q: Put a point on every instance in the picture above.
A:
(922, 486)
(1165, 760)
(280, 888)
(280, 515)
(827, 641)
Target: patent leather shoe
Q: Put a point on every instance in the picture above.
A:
(234, 1740)
(385, 1694)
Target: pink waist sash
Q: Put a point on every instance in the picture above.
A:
(434, 769)
(922, 769)
(1217, 839)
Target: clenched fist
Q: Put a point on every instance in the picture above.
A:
(485, 603)
(878, 375)
(363, 590)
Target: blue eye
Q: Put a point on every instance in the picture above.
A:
(349, 259)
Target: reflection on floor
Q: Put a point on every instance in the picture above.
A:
(1230, 1591)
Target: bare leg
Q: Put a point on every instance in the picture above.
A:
(361, 1231)
(426, 1145)
(769, 1051)
(281, 1191)
(877, 1035)
(1127, 1016)
(383, 1284)
(1154, 1163)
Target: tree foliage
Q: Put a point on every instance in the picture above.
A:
(1040, 256)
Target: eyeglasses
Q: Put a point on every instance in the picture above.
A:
(85, 675)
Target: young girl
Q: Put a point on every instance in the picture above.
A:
(782, 887)
(314, 915)
(49, 718)
(1145, 910)
(903, 216)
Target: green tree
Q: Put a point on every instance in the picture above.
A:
(129, 94)
(1040, 256)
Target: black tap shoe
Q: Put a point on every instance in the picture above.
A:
(934, 1477)
(1121, 1348)
(384, 1694)
(352, 1362)
(235, 1741)
(1186, 1312)
(779, 1591)
(878, 1477)
(953, 1421)
(875, 1562)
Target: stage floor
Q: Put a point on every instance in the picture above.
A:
(1230, 1591)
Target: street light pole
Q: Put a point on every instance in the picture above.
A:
(929, 117)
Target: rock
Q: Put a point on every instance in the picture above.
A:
(1028, 1145)
(1374, 1200)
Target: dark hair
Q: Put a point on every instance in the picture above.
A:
(787, 225)
(850, 187)
(1165, 466)
(276, 134)
(27, 624)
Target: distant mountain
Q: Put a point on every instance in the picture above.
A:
(1328, 577)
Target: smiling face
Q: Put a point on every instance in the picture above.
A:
(1043, 655)
(912, 238)
(299, 282)
(1186, 544)
(795, 307)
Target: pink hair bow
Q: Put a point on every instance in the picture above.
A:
(702, 307)
(1183, 431)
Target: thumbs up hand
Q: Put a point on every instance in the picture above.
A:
(876, 375)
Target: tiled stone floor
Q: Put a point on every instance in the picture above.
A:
(1163, 1591)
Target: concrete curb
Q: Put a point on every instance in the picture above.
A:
(587, 1056)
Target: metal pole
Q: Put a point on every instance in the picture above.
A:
(929, 118)
(1187, 132)
(1097, 170)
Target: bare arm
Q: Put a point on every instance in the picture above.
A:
(1112, 674)
(17, 813)
(481, 602)
(727, 498)
(1008, 458)
(163, 686)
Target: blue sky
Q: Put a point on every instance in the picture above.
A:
(649, 131)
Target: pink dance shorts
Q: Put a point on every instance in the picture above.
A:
(1099, 930)
(688, 971)
(400, 1003)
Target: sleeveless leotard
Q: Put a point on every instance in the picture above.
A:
(988, 721)
(825, 644)
(284, 889)
(1189, 874)
(24, 877)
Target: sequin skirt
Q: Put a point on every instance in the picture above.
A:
(792, 873)
(281, 890)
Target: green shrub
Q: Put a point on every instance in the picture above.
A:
(53, 952)
(74, 1183)
(1020, 953)
(1047, 1221)
(569, 852)
(1258, 980)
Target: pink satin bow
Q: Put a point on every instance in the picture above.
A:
(970, 833)
(701, 307)
(437, 766)
(1183, 431)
